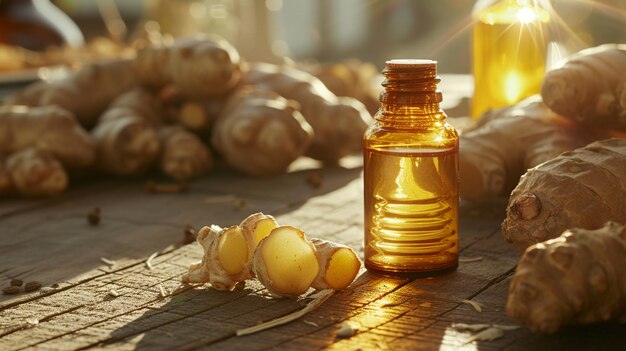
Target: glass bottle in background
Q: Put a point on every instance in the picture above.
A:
(36, 25)
(411, 176)
(509, 52)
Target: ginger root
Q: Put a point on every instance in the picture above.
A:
(352, 78)
(199, 67)
(130, 137)
(260, 133)
(48, 129)
(228, 252)
(577, 278)
(224, 261)
(280, 257)
(195, 116)
(126, 135)
(583, 188)
(286, 262)
(86, 93)
(338, 123)
(589, 88)
(339, 265)
(509, 141)
(32, 172)
(256, 227)
(184, 155)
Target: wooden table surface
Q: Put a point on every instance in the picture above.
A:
(51, 242)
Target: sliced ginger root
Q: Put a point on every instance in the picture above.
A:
(232, 251)
(228, 252)
(257, 226)
(223, 270)
(286, 262)
(339, 265)
(280, 257)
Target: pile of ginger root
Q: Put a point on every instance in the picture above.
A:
(562, 158)
(181, 106)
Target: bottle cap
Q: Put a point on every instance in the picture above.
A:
(411, 64)
(416, 80)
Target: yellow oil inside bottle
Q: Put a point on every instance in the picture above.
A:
(411, 209)
(510, 48)
(411, 177)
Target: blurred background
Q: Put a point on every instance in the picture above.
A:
(329, 31)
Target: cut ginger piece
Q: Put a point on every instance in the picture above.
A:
(257, 226)
(339, 265)
(232, 251)
(285, 262)
(228, 252)
(281, 257)
(226, 258)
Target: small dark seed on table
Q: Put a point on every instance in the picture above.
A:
(189, 235)
(16, 282)
(93, 217)
(11, 290)
(314, 179)
(32, 286)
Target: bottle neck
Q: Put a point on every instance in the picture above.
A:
(410, 97)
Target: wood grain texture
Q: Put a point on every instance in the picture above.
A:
(51, 241)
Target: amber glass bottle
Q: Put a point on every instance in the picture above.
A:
(36, 24)
(411, 176)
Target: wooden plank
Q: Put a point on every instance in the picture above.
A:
(391, 313)
(41, 244)
(129, 278)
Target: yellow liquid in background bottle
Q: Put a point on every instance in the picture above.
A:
(510, 48)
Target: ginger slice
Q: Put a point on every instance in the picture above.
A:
(228, 252)
(339, 265)
(285, 262)
(257, 226)
(232, 251)
(225, 258)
